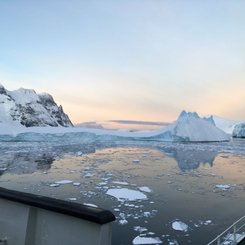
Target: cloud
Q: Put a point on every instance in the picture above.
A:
(140, 122)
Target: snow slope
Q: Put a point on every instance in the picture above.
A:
(188, 128)
(26, 107)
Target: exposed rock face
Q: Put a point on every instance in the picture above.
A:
(30, 109)
(239, 131)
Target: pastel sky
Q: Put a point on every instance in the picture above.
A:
(127, 59)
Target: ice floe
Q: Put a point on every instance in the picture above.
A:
(146, 240)
(223, 187)
(201, 223)
(72, 198)
(88, 193)
(179, 226)
(140, 229)
(208, 222)
(126, 194)
(120, 182)
(147, 214)
(89, 175)
(145, 189)
(122, 221)
(54, 185)
(63, 182)
(174, 242)
(102, 184)
(76, 183)
(79, 153)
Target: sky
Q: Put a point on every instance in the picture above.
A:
(127, 59)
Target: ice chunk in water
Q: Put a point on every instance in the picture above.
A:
(179, 226)
(63, 182)
(127, 194)
(223, 187)
(145, 189)
(146, 240)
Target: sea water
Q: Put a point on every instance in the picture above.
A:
(169, 193)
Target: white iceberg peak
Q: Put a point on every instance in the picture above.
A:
(187, 115)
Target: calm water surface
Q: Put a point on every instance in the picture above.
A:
(182, 181)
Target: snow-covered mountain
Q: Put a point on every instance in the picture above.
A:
(190, 127)
(26, 107)
(224, 124)
(239, 130)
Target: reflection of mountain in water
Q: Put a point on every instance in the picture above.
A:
(189, 159)
(27, 163)
(27, 158)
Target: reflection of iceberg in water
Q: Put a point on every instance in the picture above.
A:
(189, 159)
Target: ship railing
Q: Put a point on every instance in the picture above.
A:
(28, 219)
(232, 235)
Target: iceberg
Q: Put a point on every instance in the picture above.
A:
(189, 127)
(239, 131)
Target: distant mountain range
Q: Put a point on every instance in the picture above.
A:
(26, 107)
